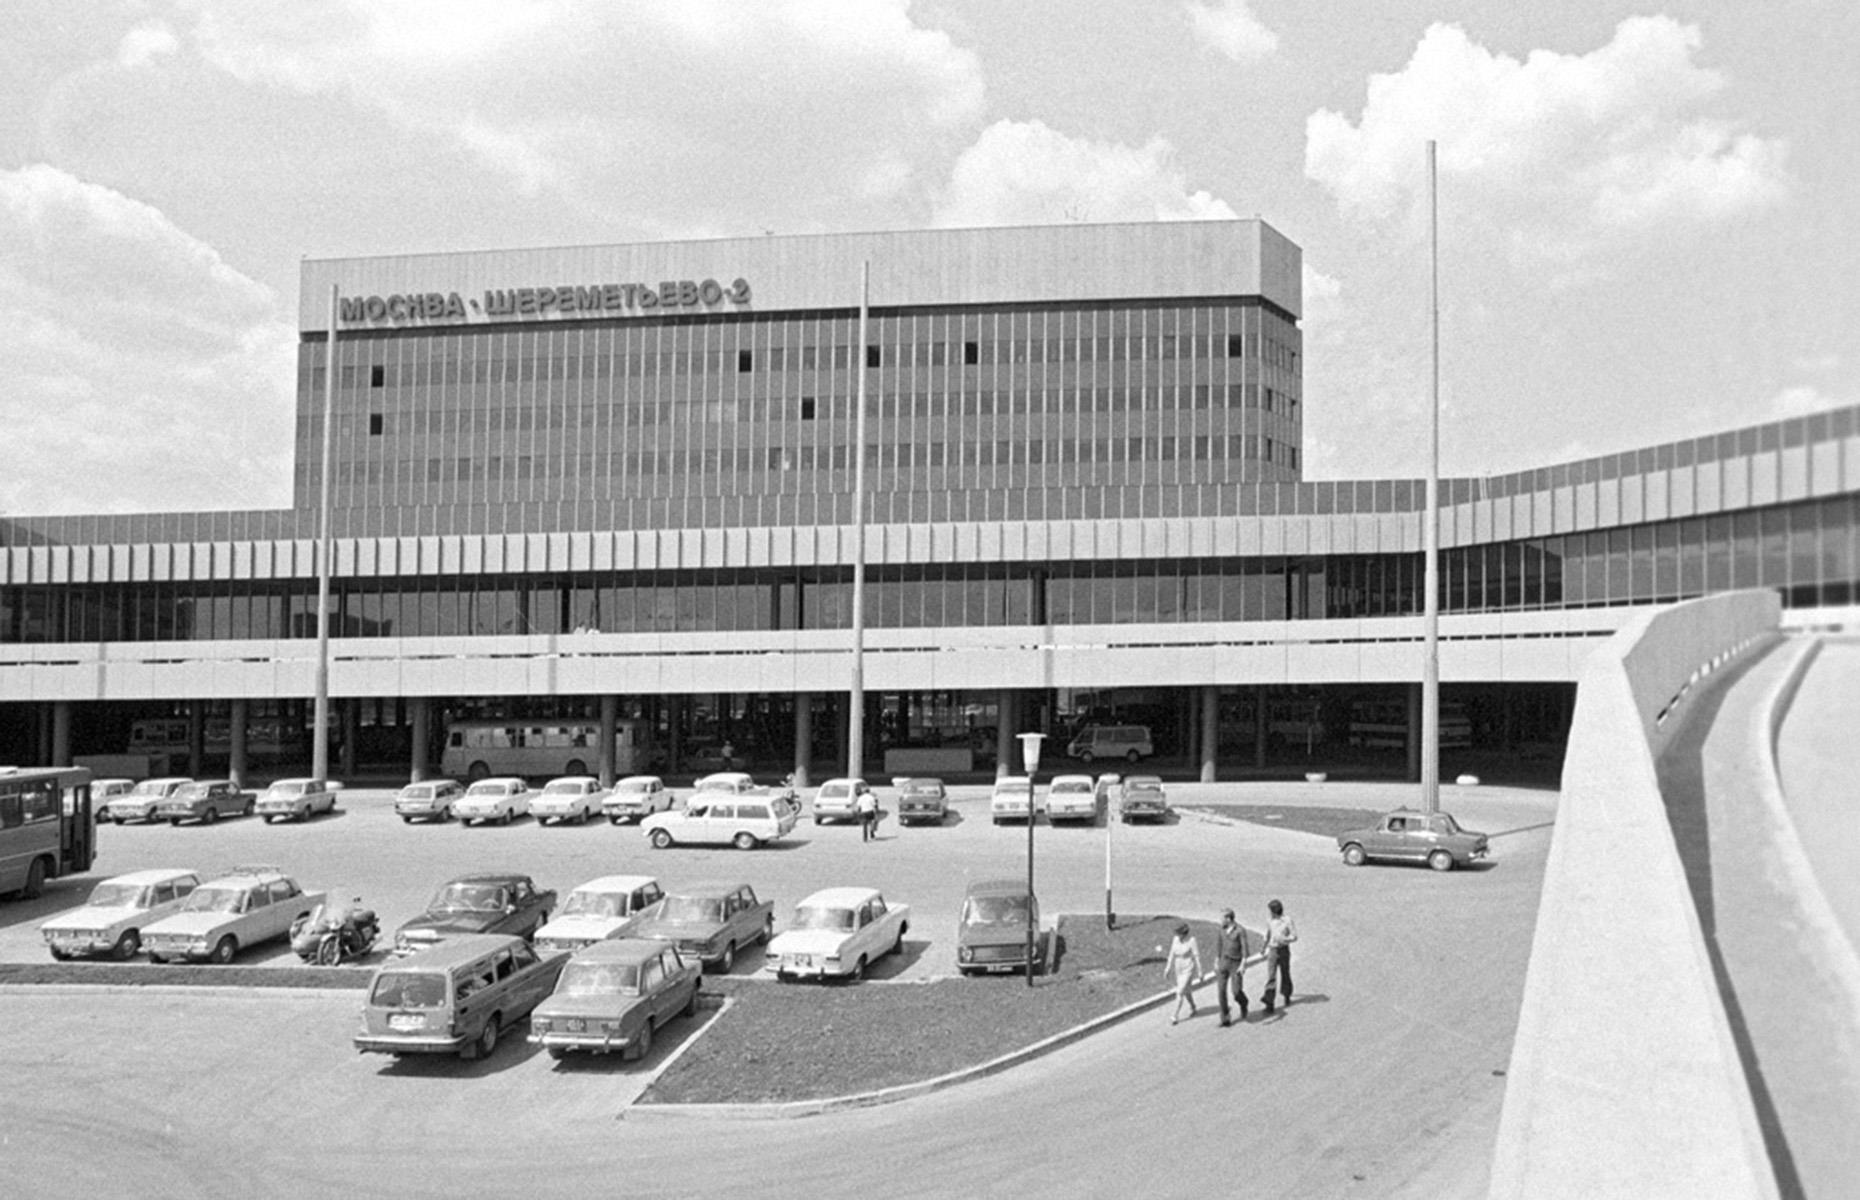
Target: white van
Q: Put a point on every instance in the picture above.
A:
(1128, 742)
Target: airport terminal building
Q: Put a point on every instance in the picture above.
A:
(617, 484)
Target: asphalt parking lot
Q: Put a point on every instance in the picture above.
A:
(1385, 1079)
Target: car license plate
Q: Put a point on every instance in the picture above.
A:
(405, 1022)
(801, 960)
(575, 1025)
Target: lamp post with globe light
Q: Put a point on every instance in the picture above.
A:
(1030, 758)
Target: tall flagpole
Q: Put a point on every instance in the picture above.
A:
(319, 767)
(1430, 523)
(855, 723)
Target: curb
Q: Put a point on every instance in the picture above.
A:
(788, 1110)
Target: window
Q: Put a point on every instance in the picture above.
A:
(873, 357)
(1236, 345)
(807, 408)
(375, 424)
(971, 353)
(377, 376)
(745, 361)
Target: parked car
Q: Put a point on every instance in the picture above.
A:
(721, 819)
(838, 932)
(838, 800)
(297, 799)
(709, 923)
(922, 801)
(1433, 838)
(243, 908)
(726, 781)
(205, 801)
(455, 998)
(571, 798)
(599, 909)
(991, 930)
(495, 902)
(613, 996)
(140, 802)
(112, 919)
(1141, 798)
(1128, 742)
(428, 800)
(637, 797)
(1072, 798)
(102, 791)
(1010, 801)
(502, 799)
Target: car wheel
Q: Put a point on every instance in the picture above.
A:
(643, 1046)
(744, 841)
(818, 820)
(858, 971)
(211, 816)
(558, 1052)
(225, 949)
(271, 818)
(582, 817)
(405, 819)
(728, 960)
(897, 947)
(691, 1003)
(1353, 855)
(783, 976)
(508, 817)
(175, 821)
(116, 820)
(614, 819)
(303, 815)
(157, 958)
(768, 931)
(59, 955)
(247, 810)
(487, 1039)
(661, 839)
(445, 814)
(126, 946)
(1440, 860)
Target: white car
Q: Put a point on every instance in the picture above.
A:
(637, 797)
(223, 916)
(140, 802)
(721, 819)
(112, 919)
(502, 799)
(571, 798)
(102, 791)
(726, 781)
(297, 799)
(1072, 798)
(838, 800)
(597, 910)
(837, 933)
(1010, 799)
(428, 800)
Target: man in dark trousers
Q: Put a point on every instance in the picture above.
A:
(1280, 934)
(867, 805)
(1229, 964)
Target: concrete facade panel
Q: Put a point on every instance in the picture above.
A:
(1608, 502)
(1792, 476)
(1765, 481)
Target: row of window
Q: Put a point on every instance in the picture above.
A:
(1809, 551)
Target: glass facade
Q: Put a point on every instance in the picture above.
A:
(1808, 551)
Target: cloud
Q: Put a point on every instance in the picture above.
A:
(145, 43)
(1229, 27)
(698, 109)
(1800, 401)
(1024, 173)
(147, 373)
(1568, 155)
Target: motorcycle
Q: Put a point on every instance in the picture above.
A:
(327, 935)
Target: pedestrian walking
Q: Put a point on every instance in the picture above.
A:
(1184, 966)
(1230, 965)
(1280, 934)
(867, 804)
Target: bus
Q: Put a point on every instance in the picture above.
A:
(1383, 724)
(45, 827)
(541, 748)
(267, 739)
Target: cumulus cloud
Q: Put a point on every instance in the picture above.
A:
(148, 374)
(1801, 400)
(1229, 27)
(1024, 173)
(1569, 154)
(145, 43)
(700, 107)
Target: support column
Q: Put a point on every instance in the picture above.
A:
(418, 712)
(1210, 730)
(236, 749)
(675, 732)
(610, 720)
(61, 733)
(1413, 693)
(1004, 732)
(803, 737)
(197, 738)
(1262, 728)
(347, 766)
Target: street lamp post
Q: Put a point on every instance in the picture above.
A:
(1110, 819)
(1030, 758)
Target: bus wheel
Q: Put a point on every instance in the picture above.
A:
(576, 767)
(478, 771)
(35, 880)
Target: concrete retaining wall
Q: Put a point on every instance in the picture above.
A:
(1624, 1079)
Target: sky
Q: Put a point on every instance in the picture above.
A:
(1648, 217)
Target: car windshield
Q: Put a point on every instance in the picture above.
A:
(189, 791)
(595, 904)
(416, 793)
(148, 787)
(563, 789)
(468, 897)
(598, 979)
(691, 908)
(215, 899)
(834, 791)
(1144, 791)
(923, 789)
(806, 917)
(1448, 824)
(995, 910)
(408, 989)
(486, 789)
(287, 789)
(630, 785)
(1071, 786)
(119, 895)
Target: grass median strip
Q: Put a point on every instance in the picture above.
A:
(790, 1042)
